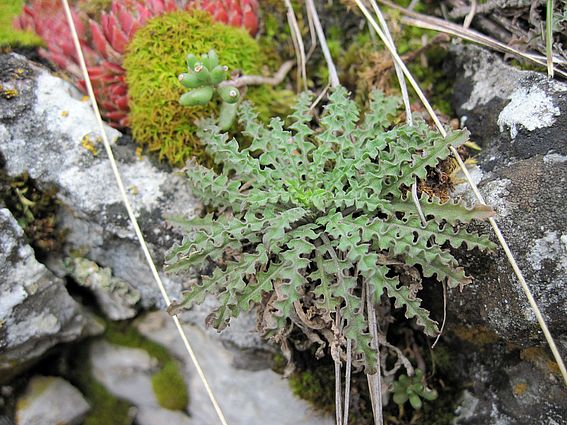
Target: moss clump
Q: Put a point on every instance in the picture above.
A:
(122, 333)
(155, 57)
(316, 385)
(169, 387)
(9, 36)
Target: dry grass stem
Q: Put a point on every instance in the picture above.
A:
(436, 24)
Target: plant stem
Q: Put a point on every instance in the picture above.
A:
(374, 380)
(549, 37)
(257, 80)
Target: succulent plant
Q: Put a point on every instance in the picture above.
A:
(412, 388)
(204, 77)
(104, 40)
(238, 13)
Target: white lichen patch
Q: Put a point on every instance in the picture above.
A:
(495, 194)
(488, 82)
(9, 299)
(94, 187)
(529, 108)
(78, 121)
(554, 158)
(553, 246)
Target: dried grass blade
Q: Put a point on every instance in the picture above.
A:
(436, 24)
(549, 37)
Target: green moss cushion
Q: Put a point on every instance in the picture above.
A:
(155, 57)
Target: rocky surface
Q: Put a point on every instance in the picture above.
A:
(51, 400)
(116, 297)
(127, 374)
(520, 120)
(36, 311)
(246, 397)
(50, 131)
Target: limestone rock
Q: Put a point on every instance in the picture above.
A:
(520, 120)
(251, 398)
(127, 373)
(51, 132)
(45, 131)
(36, 312)
(116, 297)
(51, 401)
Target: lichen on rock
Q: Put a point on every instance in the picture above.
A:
(116, 297)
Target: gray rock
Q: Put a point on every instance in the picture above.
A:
(36, 312)
(116, 297)
(127, 373)
(36, 135)
(251, 398)
(51, 401)
(520, 120)
(148, 416)
(508, 387)
(523, 175)
(51, 132)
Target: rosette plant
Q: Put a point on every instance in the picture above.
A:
(312, 224)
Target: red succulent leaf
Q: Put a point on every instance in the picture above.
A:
(98, 38)
(124, 17)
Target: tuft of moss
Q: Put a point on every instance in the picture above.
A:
(156, 55)
(169, 387)
(9, 36)
(122, 333)
(316, 385)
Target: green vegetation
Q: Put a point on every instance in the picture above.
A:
(204, 77)
(154, 60)
(315, 212)
(316, 385)
(9, 36)
(412, 388)
(105, 408)
(34, 209)
(122, 333)
(169, 387)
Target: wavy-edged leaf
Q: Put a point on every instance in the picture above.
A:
(452, 211)
(231, 279)
(380, 283)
